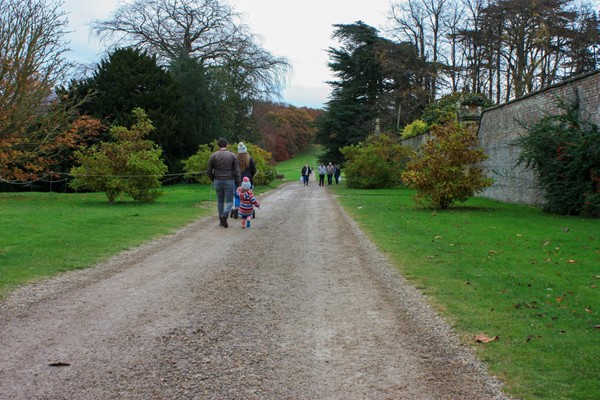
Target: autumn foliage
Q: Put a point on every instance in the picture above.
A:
(446, 170)
(285, 130)
(38, 129)
(36, 148)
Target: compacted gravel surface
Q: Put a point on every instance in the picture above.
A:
(299, 306)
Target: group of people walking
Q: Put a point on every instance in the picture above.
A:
(331, 171)
(233, 178)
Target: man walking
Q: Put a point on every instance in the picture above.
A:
(330, 171)
(322, 171)
(224, 170)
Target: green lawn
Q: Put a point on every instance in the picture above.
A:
(291, 168)
(506, 270)
(489, 267)
(47, 233)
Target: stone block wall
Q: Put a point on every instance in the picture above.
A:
(502, 125)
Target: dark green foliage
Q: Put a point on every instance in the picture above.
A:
(198, 113)
(564, 149)
(446, 107)
(350, 115)
(475, 99)
(377, 163)
(375, 78)
(442, 109)
(130, 79)
(233, 96)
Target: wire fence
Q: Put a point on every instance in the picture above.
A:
(53, 178)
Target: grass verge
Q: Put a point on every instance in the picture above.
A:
(502, 270)
(47, 233)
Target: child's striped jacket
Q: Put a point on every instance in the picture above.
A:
(247, 201)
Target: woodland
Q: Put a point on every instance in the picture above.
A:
(199, 73)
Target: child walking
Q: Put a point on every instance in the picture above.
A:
(247, 202)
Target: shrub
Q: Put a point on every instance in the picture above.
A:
(445, 108)
(415, 128)
(265, 171)
(565, 151)
(446, 169)
(129, 164)
(475, 99)
(376, 163)
(195, 166)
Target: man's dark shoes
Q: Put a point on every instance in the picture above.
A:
(223, 222)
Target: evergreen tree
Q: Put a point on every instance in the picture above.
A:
(351, 112)
(376, 78)
(128, 79)
(199, 113)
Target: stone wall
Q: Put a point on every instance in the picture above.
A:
(502, 125)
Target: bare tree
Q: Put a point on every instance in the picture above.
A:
(34, 125)
(455, 60)
(500, 48)
(421, 23)
(410, 24)
(471, 35)
(207, 30)
(31, 48)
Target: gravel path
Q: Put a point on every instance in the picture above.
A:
(300, 306)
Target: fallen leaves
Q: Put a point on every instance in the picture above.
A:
(483, 338)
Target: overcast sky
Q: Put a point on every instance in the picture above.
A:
(298, 30)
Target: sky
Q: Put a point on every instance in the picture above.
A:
(298, 30)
